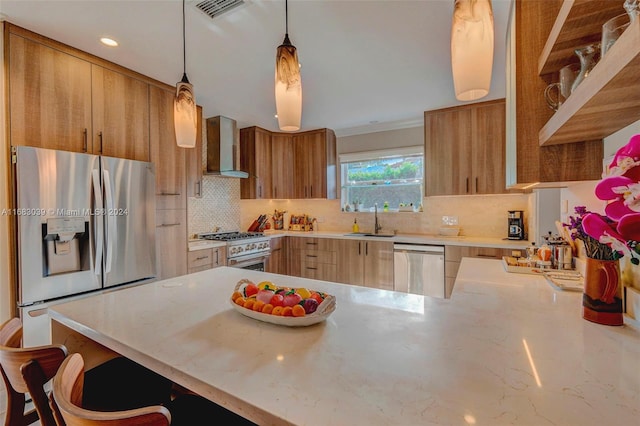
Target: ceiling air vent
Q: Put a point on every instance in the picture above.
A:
(215, 8)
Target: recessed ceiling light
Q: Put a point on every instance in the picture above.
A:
(109, 42)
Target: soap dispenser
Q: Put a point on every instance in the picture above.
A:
(355, 227)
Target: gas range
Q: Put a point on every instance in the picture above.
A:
(245, 245)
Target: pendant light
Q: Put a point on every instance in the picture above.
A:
(184, 104)
(288, 83)
(472, 48)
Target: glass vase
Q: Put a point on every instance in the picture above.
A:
(602, 297)
(587, 56)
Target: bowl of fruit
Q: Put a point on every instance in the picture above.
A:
(290, 306)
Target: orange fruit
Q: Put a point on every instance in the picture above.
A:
(286, 311)
(258, 306)
(239, 301)
(249, 303)
(298, 311)
(277, 310)
(267, 308)
(235, 295)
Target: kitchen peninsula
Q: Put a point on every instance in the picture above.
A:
(505, 349)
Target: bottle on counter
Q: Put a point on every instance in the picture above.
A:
(355, 227)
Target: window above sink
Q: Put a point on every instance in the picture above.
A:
(392, 179)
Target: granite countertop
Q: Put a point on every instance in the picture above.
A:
(505, 349)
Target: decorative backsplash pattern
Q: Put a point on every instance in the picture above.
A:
(219, 206)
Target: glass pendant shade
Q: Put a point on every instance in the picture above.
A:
(288, 87)
(472, 48)
(184, 114)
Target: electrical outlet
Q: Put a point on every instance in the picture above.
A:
(449, 220)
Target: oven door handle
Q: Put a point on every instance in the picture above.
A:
(241, 261)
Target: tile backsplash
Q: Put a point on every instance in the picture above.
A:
(218, 207)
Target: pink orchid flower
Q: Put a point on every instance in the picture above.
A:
(627, 159)
(629, 227)
(623, 194)
(595, 226)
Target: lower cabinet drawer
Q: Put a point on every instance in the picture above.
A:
(200, 258)
(318, 256)
(318, 271)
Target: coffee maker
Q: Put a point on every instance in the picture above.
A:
(516, 225)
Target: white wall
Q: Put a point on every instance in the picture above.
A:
(5, 282)
(413, 136)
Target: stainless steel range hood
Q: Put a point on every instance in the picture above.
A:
(223, 148)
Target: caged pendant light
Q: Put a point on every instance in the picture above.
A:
(472, 48)
(288, 83)
(184, 104)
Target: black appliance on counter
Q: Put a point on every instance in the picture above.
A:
(516, 225)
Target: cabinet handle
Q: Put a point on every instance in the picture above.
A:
(311, 191)
(311, 255)
(169, 224)
(201, 257)
(487, 255)
(312, 244)
(218, 257)
(199, 188)
(85, 144)
(100, 137)
(260, 191)
(366, 248)
(313, 269)
(169, 193)
(275, 249)
(359, 249)
(476, 184)
(467, 183)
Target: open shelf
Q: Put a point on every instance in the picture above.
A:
(579, 22)
(606, 101)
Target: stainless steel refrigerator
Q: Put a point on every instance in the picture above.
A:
(85, 223)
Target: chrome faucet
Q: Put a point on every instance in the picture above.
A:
(376, 227)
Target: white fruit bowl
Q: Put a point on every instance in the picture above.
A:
(449, 231)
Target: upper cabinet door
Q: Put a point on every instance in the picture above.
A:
(50, 97)
(282, 165)
(489, 146)
(120, 115)
(167, 156)
(447, 136)
(256, 159)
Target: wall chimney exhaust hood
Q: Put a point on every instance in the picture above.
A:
(223, 148)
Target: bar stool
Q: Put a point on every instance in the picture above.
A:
(28, 370)
(67, 402)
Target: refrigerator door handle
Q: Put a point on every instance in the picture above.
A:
(111, 219)
(97, 192)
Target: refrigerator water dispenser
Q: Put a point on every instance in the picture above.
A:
(65, 245)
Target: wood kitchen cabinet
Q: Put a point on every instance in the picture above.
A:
(282, 178)
(255, 159)
(167, 156)
(286, 165)
(120, 106)
(278, 259)
(50, 94)
(194, 160)
(313, 258)
(315, 164)
(465, 149)
(365, 262)
(61, 101)
(171, 243)
(201, 260)
(530, 24)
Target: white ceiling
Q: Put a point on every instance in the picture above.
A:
(366, 65)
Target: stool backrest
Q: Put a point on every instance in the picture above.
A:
(27, 370)
(67, 398)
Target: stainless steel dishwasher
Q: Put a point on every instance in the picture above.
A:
(419, 269)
